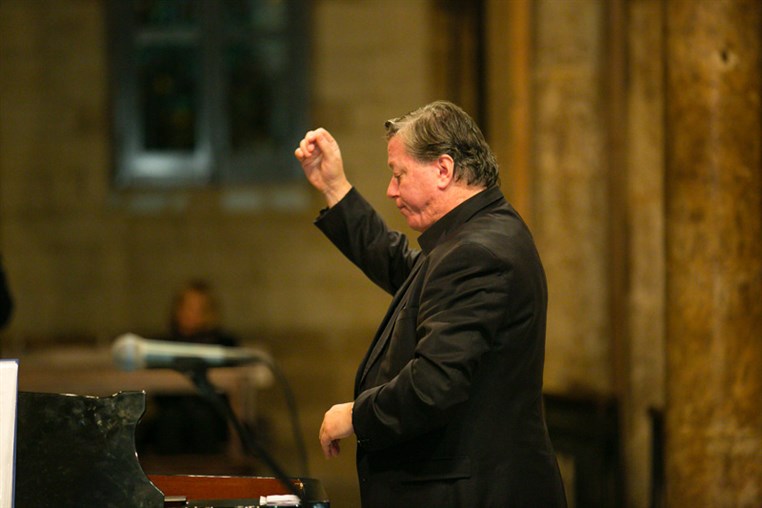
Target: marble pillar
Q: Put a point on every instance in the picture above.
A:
(714, 253)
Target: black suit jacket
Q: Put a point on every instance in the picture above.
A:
(448, 400)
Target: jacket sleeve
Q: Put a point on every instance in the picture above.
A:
(461, 308)
(362, 236)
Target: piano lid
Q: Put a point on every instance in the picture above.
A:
(79, 451)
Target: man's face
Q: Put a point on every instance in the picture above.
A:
(413, 186)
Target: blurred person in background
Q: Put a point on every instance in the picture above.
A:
(195, 316)
(187, 423)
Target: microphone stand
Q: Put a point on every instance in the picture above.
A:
(196, 371)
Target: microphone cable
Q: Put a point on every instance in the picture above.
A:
(293, 411)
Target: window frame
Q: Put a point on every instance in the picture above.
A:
(212, 161)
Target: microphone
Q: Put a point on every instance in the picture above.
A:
(132, 352)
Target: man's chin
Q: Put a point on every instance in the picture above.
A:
(416, 226)
(413, 221)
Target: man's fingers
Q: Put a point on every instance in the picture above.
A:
(322, 139)
(324, 134)
(307, 145)
(330, 446)
(326, 447)
(334, 448)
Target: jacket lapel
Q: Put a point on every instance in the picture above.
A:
(384, 331)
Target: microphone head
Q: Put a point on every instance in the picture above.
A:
(132, 352)
(127, 352)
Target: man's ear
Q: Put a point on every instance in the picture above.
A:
(446, 170)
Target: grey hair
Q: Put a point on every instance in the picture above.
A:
(443, 128)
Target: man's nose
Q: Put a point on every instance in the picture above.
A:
(391, 190)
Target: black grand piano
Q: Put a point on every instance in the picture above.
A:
(77, 451)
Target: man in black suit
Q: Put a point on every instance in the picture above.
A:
(448, 401)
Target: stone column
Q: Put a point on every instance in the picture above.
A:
(570, 189)
(644, 339)
(714, 254)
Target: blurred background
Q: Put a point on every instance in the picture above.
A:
(145, 143)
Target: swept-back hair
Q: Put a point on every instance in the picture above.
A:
(443, 128)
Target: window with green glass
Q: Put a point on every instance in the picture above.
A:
(207, 91)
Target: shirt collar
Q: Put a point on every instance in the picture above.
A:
(456, 217)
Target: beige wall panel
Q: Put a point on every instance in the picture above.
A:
(570, 211)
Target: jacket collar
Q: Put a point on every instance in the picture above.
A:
(456, 217)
